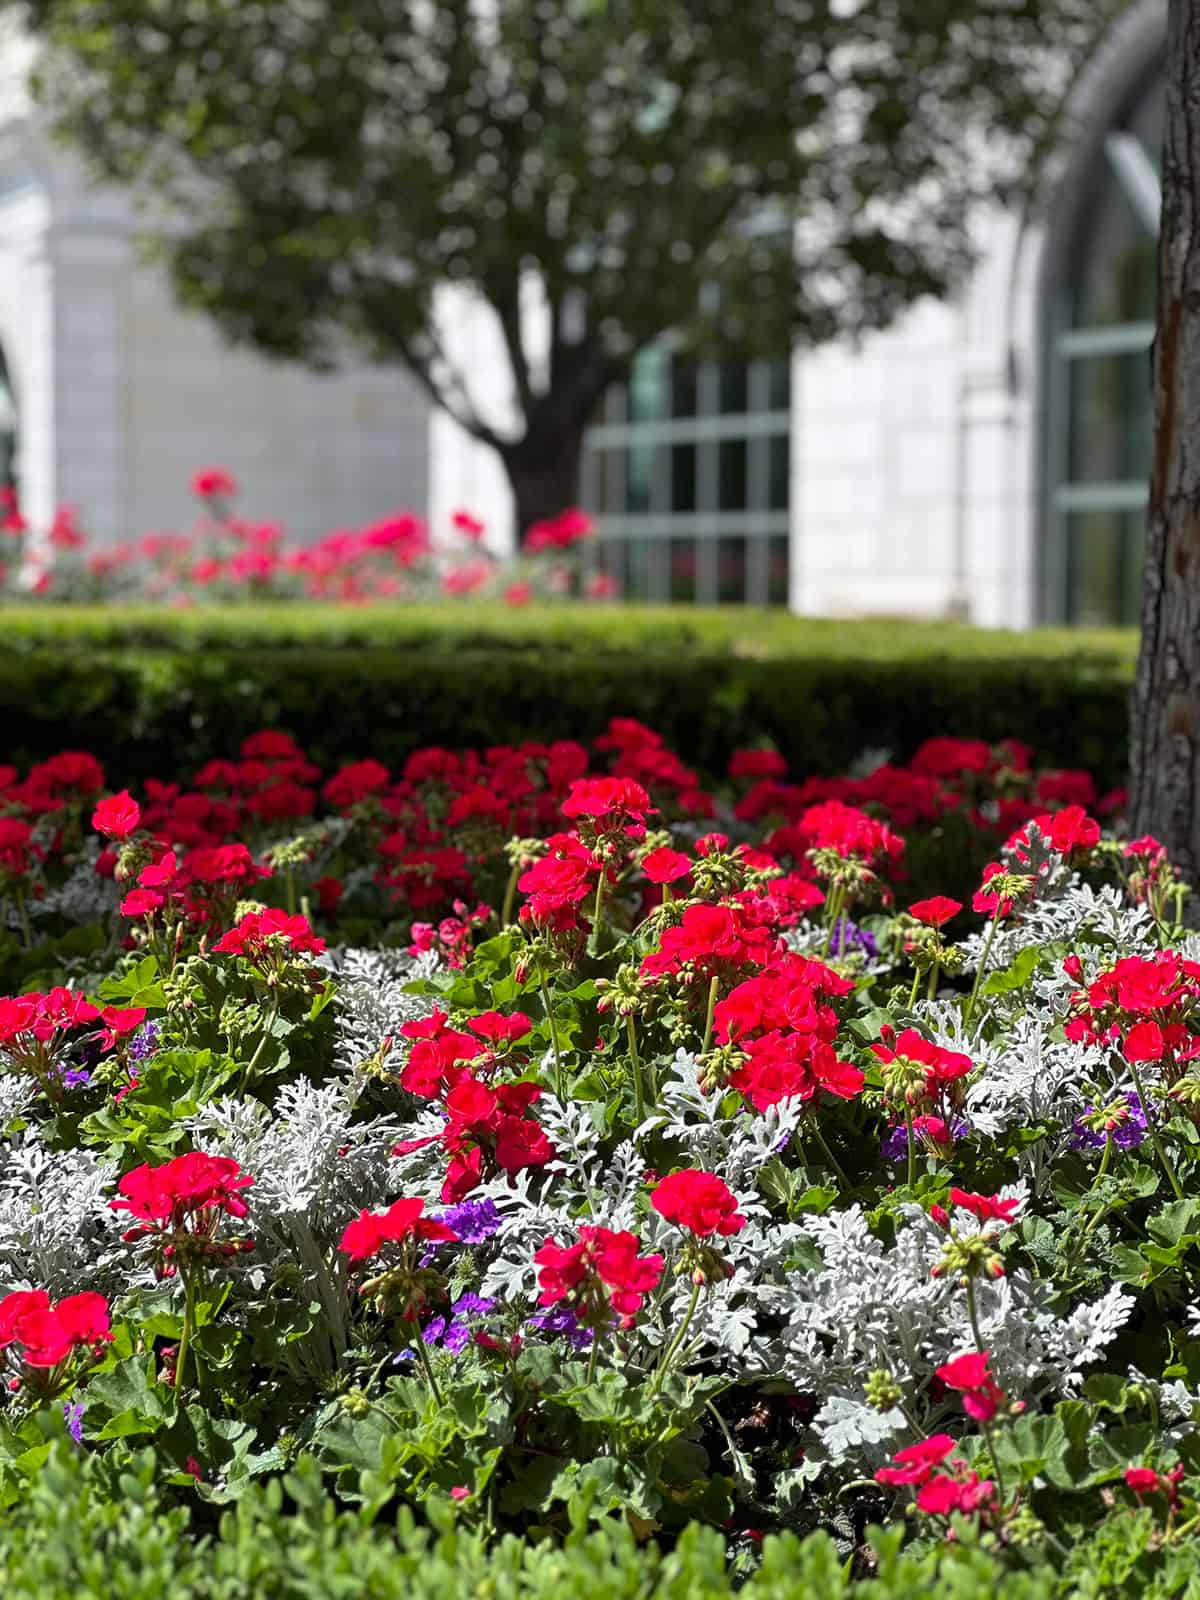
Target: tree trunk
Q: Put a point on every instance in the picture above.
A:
(1165, 755)
(544, 473)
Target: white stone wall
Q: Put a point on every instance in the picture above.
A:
(912, 457)
(122, 395)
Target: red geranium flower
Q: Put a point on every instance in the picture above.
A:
(118, 816)
(987, 1207)
(915, 1463)
(371, 1230)
(700, 1201)
(935, 912)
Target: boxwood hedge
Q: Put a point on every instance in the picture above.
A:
(160, 692)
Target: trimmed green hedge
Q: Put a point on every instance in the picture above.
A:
(81, 1532)
(161, 692)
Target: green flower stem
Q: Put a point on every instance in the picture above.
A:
(833, 910)
(593, 944)
(289, 888)
(714, 984)
(1152, 1126)
(916, 987)
(934, 974)
(986, 1429)
(185, 1338)
(593, 1353)
(377, 1371)
(973, 1314)
(911, 1177)
(639, 1102)
(828, 1154)
(560, 1082)
(510, 895)
(983, 963)
(1101, 1172)
(672, 1349)
(422, 1350)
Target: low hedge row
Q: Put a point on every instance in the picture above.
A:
(164, 712)
(744, 631)
(76, 1536)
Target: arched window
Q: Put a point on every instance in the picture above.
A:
(1100, 323)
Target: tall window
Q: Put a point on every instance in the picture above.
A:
(688, 471)
(1099, 411)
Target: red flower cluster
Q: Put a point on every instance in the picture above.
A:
(970, 1374)
(34, 1333)
(180, 1205)
(942, 1493)
(370, 1231)
(699, 1201)
(713, 940)
(784, 1023)
(488, 1128)
(36, 1031)
(601, 1274)
(923, 1072)
(1146, 1003)
(266, 938)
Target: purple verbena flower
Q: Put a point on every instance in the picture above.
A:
(144, 1042)
(455, 1331)
(1123, 1121)
(930, 1132)
(473, 1220)
(848, 937)
(73, 1415)
(76, 1078)
(564, 1321)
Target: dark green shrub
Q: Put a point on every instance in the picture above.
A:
(161, 694)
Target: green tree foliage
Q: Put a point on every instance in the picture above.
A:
(746, 171)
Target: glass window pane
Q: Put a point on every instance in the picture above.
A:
(683, 570)
(1111, 421)
(778, 472)
(648, 387)
(1104, 566)
(734, 388)
(638, 555)
(613, 491)
(779, 389)
(731, 475)
(683, 386)
(639, 467)
(683, 477)
(614, 403)
(778, 547)
(731, 571)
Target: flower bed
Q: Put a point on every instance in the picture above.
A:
(532, 1137)
(226, 559)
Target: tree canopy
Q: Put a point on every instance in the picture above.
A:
(754, 172)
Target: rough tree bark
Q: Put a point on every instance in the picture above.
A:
(1165, 755)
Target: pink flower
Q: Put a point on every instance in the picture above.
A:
(213, 483)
